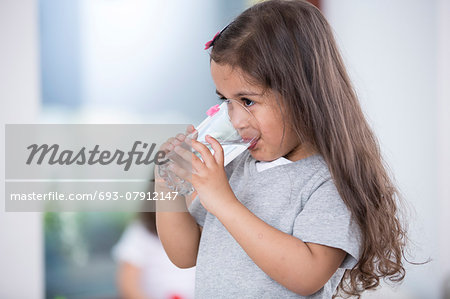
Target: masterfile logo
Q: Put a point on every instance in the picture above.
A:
(77, 167)
(91, 157)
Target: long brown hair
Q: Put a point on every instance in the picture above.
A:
(288, 47)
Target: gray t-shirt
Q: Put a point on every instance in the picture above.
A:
(299, 199)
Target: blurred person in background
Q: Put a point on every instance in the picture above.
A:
(144, 270)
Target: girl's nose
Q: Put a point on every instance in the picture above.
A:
(239, 116)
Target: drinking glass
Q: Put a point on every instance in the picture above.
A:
(231, 124)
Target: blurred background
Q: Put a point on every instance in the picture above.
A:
(142, 61)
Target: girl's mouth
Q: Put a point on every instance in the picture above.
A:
(253, 144)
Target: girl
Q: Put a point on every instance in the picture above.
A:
(309, 210)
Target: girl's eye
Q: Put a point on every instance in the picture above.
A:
(224, 99)
(248, 102)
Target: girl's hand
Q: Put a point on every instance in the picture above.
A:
(208, 177)
(167, 147)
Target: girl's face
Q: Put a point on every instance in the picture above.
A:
(231, 84)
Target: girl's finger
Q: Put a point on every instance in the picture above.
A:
(180, 137)
(190, 129)
(167, 146)
(218, 150)
(204, 152)
(190, 159)
(176, 142)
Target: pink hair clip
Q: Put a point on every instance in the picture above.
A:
(210, 43)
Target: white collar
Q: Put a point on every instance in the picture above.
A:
(263, 165)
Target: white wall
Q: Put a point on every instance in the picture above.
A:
(146, 56)
(443, 98)
(21, 257)
(390, 49)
